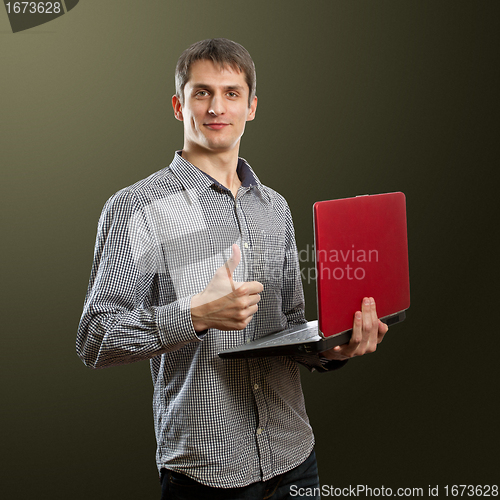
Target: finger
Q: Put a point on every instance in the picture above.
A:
(247, 288)
(382, 330)
(372, 334)
(253, 299)
(374, 312)
(255, 287)
(230, 277)
(381, 327)
(346, 350)
(243, 299)
(357, 327)
(234, 260)
(363, 329)
(366, 309)
(334, 354)
(243, 317)
(350, 349)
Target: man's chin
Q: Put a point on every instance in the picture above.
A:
(222, 147)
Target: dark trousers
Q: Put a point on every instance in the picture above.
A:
(299, 483)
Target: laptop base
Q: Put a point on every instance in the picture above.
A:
(297, 340)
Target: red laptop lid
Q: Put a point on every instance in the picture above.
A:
(361, 251)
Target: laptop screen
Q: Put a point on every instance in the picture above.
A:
(361, 250)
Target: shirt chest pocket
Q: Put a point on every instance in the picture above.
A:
(271, 259)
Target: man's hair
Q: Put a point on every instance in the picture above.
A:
(223, 53)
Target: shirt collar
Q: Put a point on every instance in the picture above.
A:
(246, 174)
(191, 176)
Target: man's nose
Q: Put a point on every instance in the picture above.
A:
(217, 106)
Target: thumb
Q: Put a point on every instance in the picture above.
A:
(234, 260)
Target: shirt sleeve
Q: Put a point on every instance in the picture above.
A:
(123, 320)
(292, 293)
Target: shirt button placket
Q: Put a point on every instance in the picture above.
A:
(262, 407)
(246, 252)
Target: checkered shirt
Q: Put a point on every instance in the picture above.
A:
(225, 423)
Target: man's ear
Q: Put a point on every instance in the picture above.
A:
(252, 110)
(176, 104)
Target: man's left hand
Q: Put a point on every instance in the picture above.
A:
(367, 332)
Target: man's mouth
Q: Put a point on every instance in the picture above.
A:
(216, 125)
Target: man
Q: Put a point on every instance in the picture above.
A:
(161, 288)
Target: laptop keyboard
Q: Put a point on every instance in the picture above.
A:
(300, 336)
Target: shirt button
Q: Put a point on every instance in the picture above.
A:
(259, 431)
(256, 386)
(245, 244)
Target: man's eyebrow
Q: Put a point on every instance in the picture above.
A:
(235, 87)
(210, 87)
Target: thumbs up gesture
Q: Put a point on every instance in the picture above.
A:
(225, 304)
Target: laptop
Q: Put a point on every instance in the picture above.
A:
(361, 250)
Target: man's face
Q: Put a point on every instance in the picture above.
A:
(215, 108)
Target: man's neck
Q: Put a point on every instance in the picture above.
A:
(220, 166)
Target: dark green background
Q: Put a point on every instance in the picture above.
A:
(355, 97)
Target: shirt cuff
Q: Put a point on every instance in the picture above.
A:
(175, 325)
(315, 362)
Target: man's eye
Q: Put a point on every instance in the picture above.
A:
(232, 94)
(201, 93)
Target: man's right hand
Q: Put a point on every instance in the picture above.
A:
(224, 304)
